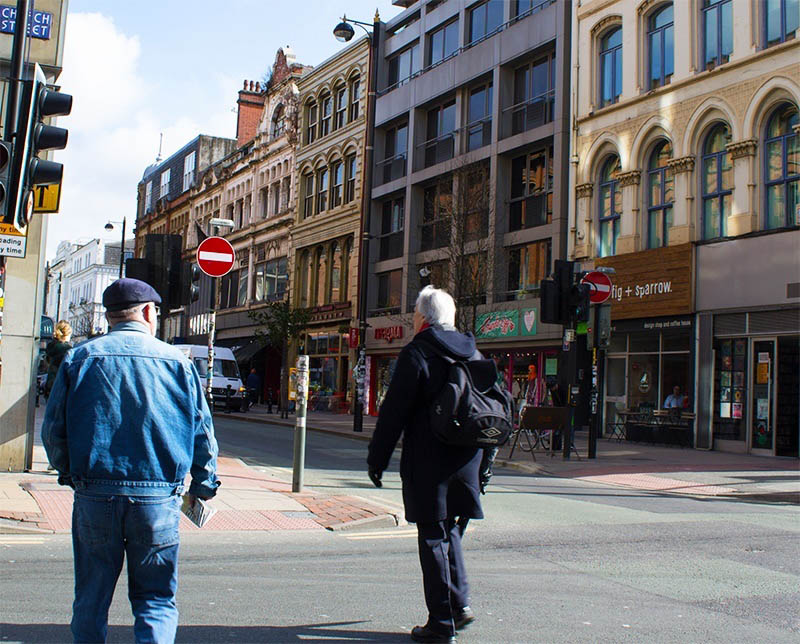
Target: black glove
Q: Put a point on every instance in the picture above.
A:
(484, 479)
(485, 471)
(375, 477)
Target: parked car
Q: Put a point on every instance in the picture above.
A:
(226, 383)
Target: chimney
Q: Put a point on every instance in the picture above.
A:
(251, 105)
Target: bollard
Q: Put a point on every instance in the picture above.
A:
(301, 397)
(228, 400)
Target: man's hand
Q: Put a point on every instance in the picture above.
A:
(375, 477)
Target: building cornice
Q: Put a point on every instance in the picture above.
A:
(745, 148)
(630, 178)
(584, 190)
(683, 164)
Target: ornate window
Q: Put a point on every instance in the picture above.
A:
(336, 273)
(660, 195)
(278, 122)
(610, 207)
(782, 168)
(718, 32)
(322, 189)
(308, 195)
(717, 178)
(350, 178)
(611, 67)
(781, 20)
(337, 179)
(311, 123)
(340, 118)
(326, 106)
(303, 282)
(355, 97)
(661, 44)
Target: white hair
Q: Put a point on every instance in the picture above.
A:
(436, 306)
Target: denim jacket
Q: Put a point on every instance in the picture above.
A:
(127, 416)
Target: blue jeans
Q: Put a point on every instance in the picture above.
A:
(105, 529)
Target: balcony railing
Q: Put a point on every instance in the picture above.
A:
(542, 5)
(528, 114)
(522, 294)
(477, 134)
(391, 246)
(391, 169)
(435, 150)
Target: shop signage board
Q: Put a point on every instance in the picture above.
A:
(651, 283)
(12, 242)
(497, 324)
(389, 333)
(215, 256)
(528, 326)
(600, 286)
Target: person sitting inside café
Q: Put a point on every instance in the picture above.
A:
(675, 399)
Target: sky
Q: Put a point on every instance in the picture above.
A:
(139, 69)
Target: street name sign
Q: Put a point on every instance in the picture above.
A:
(215, 256)
(599, 285)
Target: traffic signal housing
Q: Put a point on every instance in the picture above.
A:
(33, 137)
(578, 302)
(190, 282)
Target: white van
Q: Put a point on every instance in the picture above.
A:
(226, 373)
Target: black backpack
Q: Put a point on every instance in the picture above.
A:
(471, 409)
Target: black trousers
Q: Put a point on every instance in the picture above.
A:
(444, 577)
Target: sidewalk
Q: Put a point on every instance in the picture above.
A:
(247, 500)
(656, 468)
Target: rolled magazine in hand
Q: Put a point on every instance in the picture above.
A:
(199, 512)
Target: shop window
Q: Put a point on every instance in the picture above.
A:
(534, 95)
(643, 342)
(392, 225)
(610, 208)
(436, 215)
(717, 178)
(660, 41)
(442, 43)
(781, 20)
(611, 67)
(782, 168)
(484, 20)
(531, 202)
(527, 266)
(730, 376)
(479, 117)
(718, 32)
(660, 196)
(390, 291)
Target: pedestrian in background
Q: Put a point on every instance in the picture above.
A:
(125, 422)
(253, 385)
(440, 482)
(56, 350)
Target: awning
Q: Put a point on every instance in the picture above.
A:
(247, 351)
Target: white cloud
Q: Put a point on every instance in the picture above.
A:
(117, 116)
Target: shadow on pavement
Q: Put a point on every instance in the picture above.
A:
(322, 632)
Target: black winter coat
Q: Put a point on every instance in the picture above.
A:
(439, 481)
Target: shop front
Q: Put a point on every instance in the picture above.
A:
(329, 368)
(387, 341)
(650, 357)
(748, 301)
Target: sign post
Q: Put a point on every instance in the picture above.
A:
(300, 424)
(215, 257)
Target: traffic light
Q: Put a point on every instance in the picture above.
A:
(190, 282)
(578, 302)
(33, 137)
(548, 296)
(5, 176)
(563, 276)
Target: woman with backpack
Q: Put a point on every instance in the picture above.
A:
(441, 482)
(56, 350)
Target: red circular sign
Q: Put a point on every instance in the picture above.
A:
(215, 256)
(600, 286)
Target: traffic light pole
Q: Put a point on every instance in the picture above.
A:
(211, 329)
(17, 67)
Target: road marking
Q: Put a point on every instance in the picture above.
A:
(398, 534)
(7, 540)
(388, 504)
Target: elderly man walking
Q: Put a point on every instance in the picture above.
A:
(125, 421)
(441, 483)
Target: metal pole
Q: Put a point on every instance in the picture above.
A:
(366, 200)
(17, 67)
(122, 249)
(211, 328)
(58, 303)
(298, 463)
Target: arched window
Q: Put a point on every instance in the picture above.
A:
(311, 122)
(303, 274)
(782, 168)
(611, 67)
(355, 96)
(340, 97)
(346, 252)
(660, 195)
(326, 105)
(336, 272)
(610, 207)
(660, 42)
(717, 181)
(320, 276)
(278, 122)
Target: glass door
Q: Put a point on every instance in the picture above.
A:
(615, 394)
(762, 415)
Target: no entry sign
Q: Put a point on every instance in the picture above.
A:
(599, 286)
(215, 256)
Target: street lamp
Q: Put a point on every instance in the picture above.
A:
(344, 32)
(110, 226)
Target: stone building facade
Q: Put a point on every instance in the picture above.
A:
(685, 146)
(327, 209)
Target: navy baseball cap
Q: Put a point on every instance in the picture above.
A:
(126, 292)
